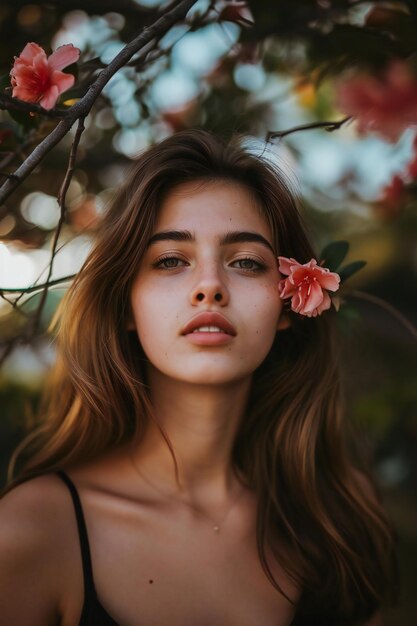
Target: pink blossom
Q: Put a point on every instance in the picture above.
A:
(412, 167)
(386, 104)
(38, 78)
(236, 11)
(306, 285)
(392, 199)
(394, 190)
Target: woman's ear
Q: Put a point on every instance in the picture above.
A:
(284, 321)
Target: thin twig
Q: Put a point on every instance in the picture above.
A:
(11, 302)
(35, 286)
(32, 137)
(61, 199)
(9, 346)
(71, 162)
(194, 24)
(143, 42)
(385, 305)
(50, 283)
(329, 126)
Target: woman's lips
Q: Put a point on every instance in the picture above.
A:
(209, 318)
(207, 338)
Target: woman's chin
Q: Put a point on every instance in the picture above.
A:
(204, 376)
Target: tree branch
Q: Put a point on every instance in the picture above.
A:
(8, 348)
(329, 126)
(81, 109)
(355, 293)
(51, 283)
(98, 7)
(61, 199)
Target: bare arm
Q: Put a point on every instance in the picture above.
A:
(29, 593)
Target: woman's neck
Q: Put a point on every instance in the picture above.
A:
(201, 422)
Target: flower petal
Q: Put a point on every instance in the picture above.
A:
(25, 94)
(297, 302)
(49, 98)
(328, 280)
(285, 288)
(326, 303)
(285, 264)
(63, 56)
(314, 296)
(299, 274)
(30, 51)
(41, 73)
(62, 81)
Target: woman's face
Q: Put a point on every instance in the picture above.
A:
(183, 275)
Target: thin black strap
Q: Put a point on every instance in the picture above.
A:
(89, 588)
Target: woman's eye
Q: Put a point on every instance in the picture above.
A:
(165, 262)
(248, 264)
(171, 262)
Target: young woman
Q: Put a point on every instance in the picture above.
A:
(192, 465)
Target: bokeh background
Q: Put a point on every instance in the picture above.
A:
(256, 68)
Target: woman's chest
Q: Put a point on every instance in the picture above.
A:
(200, 584)
(179, 572)
(171, 568)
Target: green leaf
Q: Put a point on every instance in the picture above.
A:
(350, 269)
(347, 318)
(334, 253)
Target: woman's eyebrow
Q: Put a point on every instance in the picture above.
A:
(235, 236)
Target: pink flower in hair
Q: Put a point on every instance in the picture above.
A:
(307, 285)
(38, 78)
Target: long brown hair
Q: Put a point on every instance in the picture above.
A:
(319, 510)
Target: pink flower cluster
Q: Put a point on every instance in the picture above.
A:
(38, 78)
(236, 11)
(394, 194)
(307, 285)
(386, 104)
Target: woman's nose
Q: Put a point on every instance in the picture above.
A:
(210, 288)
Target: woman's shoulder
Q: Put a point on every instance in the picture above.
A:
(34, 500)
(32, 548)
(35, 518)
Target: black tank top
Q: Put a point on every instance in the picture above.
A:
(93, 613)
